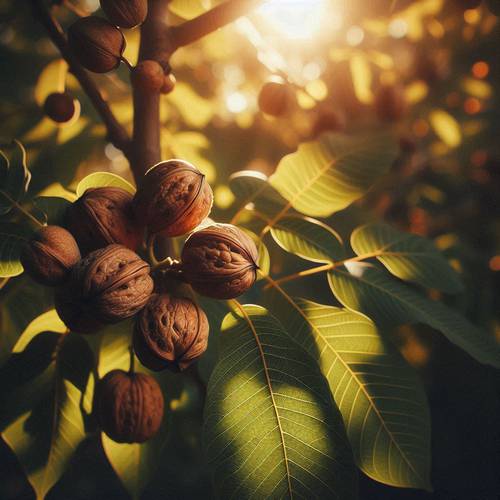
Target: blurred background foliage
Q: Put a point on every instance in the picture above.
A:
(441, 55)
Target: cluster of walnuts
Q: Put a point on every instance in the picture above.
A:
(98, 45)
(100, 279)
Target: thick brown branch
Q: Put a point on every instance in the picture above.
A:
(225, 13)
(116, 133)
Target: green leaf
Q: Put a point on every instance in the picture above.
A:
(53, 208)
(271, 428)
(363, 287)
(196, 111)
(407, 256)
(103, 179)
(46, 322)
(308, 238)
(12, 239)
(250, 186)
(327, 175)
(380, 397)
(45, 438)
(14, 177)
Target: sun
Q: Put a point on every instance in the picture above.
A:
(294, 19)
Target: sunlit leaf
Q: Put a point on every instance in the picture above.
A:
(446, 127)
(361, 78)
(407, 256)
(325, 176)
(308, 238)
(46, 322)
(50, 80)
(14, 177)
(271, 428)
(188, 9)
(380, 397)
(103, 179)
(45, 438)
(57, 190)
(367, 289)
(195, 110)
(12, 238)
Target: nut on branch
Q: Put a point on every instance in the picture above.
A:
(60, 107)
(173, 198)
(220, 261)
(102, 216)
(129, 406)
(49, 256)
(96, 43)
(125, 13)
(170, 332)
(107, 286)
(275, 98)
(148, 76)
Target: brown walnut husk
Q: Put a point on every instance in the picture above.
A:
(107, 286)
(102, 216)
(275, 98)
(220, 261)
(173, 198)
(390, 103)
(129, 406)
(60, 107)
(125, 13)
(49, 256)
(170, 332)
(96, 43)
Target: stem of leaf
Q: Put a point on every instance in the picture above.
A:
(323, 268)
(21, 209)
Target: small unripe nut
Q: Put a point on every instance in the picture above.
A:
(220, 261)
(168, 84)
(148, 75)
(107, 286)
(275, 98)
(96, 43)
(173, 198)
(125, 13)
(170, 332)
(49, 256)
(60, 107)
(102, 216)
(390, 103)
(129, 406)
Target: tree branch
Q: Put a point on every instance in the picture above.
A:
(116, 133)
(191, 31)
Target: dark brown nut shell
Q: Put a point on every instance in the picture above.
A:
(125, 13)
(220, 261)
(173, 198)
(390, 103)
(275, 98)
(102, 216)
(96, 43)
(129, 406)
(49, 256)
(108, 285)
(60, 107)
(171, 330)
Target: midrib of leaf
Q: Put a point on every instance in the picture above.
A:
(347, 368)
(321, 172)
(271, 392)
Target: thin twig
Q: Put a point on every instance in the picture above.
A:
(116, 133)
(218, 17)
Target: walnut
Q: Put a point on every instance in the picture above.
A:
(220, 261)
(107, 286)
(275, 98)
(170, 332)
(390, 103)
(173, 198)
(102, 216)
(96, 43)
(49, 256)
(60, 107)
(129, 406)
(148, 75)
(125, 13)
